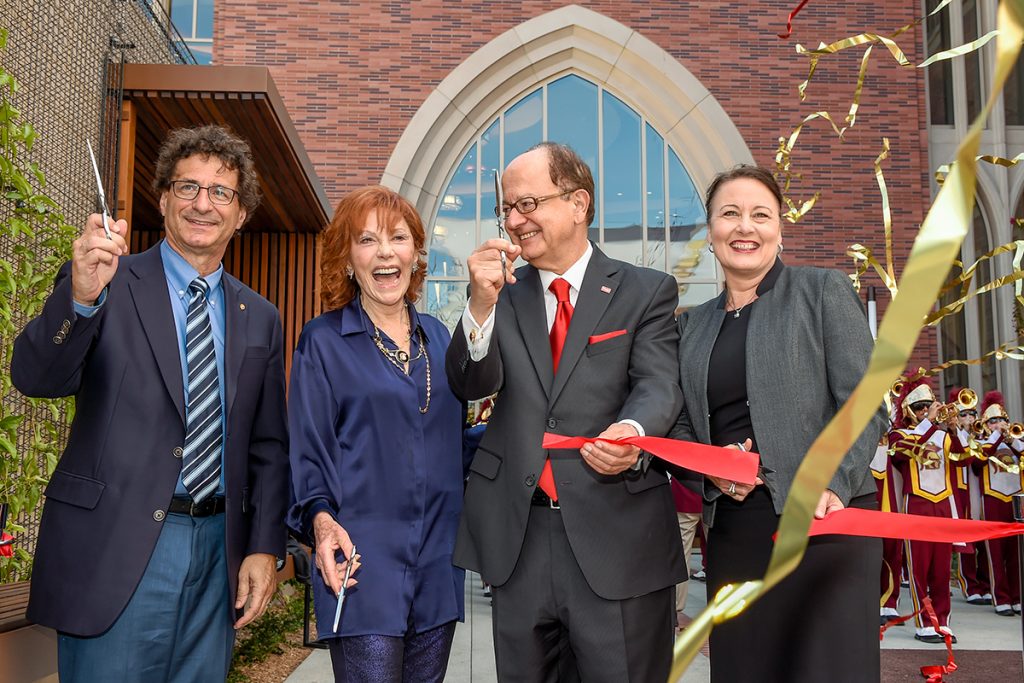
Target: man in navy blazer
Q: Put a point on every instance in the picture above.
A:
(584, 570)
(142, 576)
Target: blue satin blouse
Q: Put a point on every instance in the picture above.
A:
(392, 476)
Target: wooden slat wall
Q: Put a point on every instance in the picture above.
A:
(283, 267)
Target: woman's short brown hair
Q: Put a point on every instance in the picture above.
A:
(336, 288)
(758, 173)
(208, 141)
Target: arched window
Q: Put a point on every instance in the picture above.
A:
(972, 332)
(639, 181)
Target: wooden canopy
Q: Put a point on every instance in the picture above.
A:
(161, 97)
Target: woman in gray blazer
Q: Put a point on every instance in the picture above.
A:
(767, 364)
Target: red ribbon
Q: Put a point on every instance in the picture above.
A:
(900, 525)
(789, 22)
(933, 672)
(726, 463)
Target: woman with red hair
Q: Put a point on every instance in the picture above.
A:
(376, 450)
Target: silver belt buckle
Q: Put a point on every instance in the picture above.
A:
(192, 508)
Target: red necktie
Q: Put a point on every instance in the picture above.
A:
(563, 316)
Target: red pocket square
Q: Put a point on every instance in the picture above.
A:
(606, 336)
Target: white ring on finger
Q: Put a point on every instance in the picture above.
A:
(732, 488)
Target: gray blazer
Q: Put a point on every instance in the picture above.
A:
(808, 346)
(619, 362)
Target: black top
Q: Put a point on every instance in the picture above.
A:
(727, 373)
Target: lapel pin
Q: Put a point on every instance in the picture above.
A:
(606, 289)
(241, 307)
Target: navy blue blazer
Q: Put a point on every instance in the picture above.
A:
(390, 474)
(107, 499)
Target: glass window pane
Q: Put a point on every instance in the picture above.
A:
(940, 75)
(622, 204)
(1013, 95)
(490, 160)
(656, 232)
(446, 300)
(695, 293)
(203, 52)
(204, 19)
(972, 61)
(572, 120)
(181, 16)
(688, 255)
(453, 236)
(523, 125)
(984, 303)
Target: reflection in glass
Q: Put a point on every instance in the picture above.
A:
(446, 300)
(490, 160)
(656, 229)
(453, 236)
(688, 256)
(622, 205)
(204, 19)
(524, 125)
(181, 16)
(695, 293)
(572, 120)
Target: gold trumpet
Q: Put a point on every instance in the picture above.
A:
(1016, 431)
(967, 399)
(897, 388)
(948, 413)
(979, 429)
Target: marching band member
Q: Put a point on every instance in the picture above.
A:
(1000, 476)
(920, 448)
(972, 569)
(890, 488)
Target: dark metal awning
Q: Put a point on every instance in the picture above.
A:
(162, 97)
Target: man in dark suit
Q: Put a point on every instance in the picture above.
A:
(581, 546)
(165, 515)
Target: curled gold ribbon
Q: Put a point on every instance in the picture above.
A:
(935, 247)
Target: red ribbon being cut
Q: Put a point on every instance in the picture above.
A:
(900, 525)
(727, 463)
(789, 22)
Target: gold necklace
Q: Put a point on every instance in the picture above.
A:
(401, 360)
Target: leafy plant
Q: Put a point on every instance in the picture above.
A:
(264, 636)
(39, 241)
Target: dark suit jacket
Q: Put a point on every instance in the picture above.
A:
(622, 528)
(808, 345)
(106, 501)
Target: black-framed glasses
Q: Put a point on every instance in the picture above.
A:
(920, 405)
(189, 190)
(525, 205)
(968, 413)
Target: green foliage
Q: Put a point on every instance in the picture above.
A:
(264, 637)
(31, 430)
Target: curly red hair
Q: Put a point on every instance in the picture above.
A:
(337, 289)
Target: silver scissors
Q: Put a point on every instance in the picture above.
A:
(99, 188)
(344, 583)
(499, 212)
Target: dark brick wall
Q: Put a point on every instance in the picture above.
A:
(353, 74)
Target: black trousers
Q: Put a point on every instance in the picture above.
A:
(819, 624)
(550, 626)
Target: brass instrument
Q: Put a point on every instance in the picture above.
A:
(897, 388)
(1016, 431)
(979, 429)
(967, 399)
(948, 413)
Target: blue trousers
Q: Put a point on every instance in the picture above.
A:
(177, 626)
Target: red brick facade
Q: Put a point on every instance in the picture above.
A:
(354, 74)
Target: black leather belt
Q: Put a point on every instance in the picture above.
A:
(183, 505)
(541, 499)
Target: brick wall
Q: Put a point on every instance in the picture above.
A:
(353, 76)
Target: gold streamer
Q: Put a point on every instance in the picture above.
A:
(863, 258)
(959, 50)
(967, 274)
(1016, 277)
(942, 171)
(937, 244)
(1003, 352)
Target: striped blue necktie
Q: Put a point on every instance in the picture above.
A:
(204, 433)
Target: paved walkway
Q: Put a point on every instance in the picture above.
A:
(472, 659)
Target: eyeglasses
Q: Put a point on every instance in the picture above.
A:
(920, 405)
(968, 413)
(525, 205)
(189, 190)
